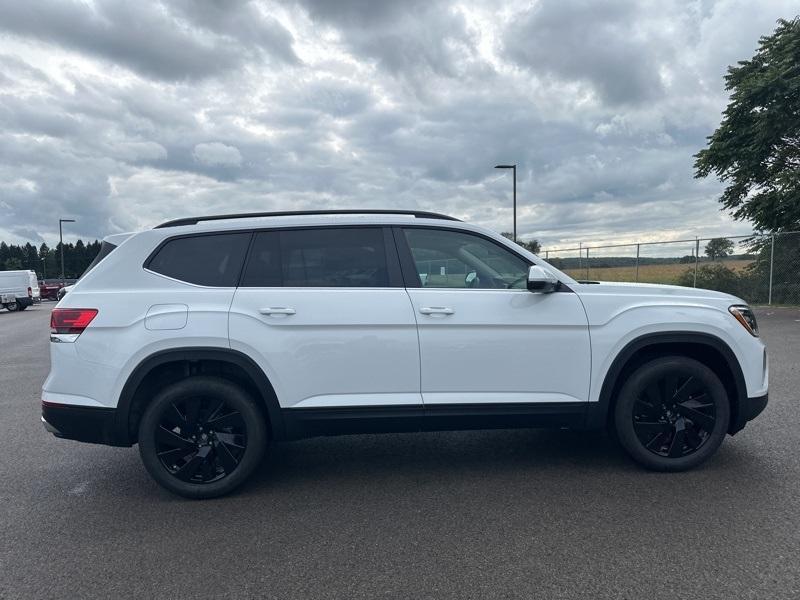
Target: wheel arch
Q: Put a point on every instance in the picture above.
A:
(167, 366)
(706, 348)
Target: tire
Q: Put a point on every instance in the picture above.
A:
(12, 307)
(202, 437)
(672, 414)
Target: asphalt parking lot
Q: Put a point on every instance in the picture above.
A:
(499, 514)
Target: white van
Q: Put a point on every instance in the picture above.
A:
(18, 289)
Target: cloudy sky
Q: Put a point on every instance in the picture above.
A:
(124, 114)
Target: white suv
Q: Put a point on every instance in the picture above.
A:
(206, 338)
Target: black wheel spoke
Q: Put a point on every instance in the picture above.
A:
(669, 386)
(703, 420)
(654, 394)
(651, 445)
(176, 453)
(214, 413)
(676, 446)
(227, 459)
(232, 419)
(651, 427)
(682, 393)
(181, 418)
(653, 409)
(230, 439)
(170, 438)
(693, 439)
(192, 410)
(187, 471)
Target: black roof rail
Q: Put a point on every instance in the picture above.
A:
(419, 214)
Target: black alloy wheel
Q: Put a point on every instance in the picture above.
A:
(672, 413)
(202, 437)
(674, 416)
(200, 440)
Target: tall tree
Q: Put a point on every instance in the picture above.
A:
(718, 248)
(532, 245)
(755, 150)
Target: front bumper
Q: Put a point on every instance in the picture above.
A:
(754, 407)
(747, 410)
(81, 423)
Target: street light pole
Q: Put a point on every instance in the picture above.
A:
(61, 243)
(514, 168)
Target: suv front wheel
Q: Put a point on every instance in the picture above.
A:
(202, 437)
(672, 414)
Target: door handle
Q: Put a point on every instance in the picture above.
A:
(277, 310)
(436, 310)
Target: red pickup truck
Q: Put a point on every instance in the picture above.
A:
(48, 288)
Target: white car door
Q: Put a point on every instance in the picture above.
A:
(325, 313)
(484, 338)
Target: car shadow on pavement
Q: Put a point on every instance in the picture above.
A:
(438, 454)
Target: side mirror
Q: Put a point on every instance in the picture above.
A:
(541, 281)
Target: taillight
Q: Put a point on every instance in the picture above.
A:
(71, 320)
(30, 293)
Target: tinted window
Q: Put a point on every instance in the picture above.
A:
(105, 250)
(320, 257)
(264, 263)
(452, 259)
(213, 260)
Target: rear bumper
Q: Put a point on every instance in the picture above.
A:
(81, 423)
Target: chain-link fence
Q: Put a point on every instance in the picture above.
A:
(762, 269)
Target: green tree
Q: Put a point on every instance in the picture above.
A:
(755, 150)
(718, 248)
(13, 264)
(713, 277)
(531, 245)
(76, 258)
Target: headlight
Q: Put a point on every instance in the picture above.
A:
(746, 317)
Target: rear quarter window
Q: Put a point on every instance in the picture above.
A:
(211, 260)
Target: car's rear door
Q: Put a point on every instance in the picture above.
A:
(324, 312)
(484, 338)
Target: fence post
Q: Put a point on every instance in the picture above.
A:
(771, 265)
(696, 258)
(587, 264)
(580, 257)
(637, 262)
(547, 255)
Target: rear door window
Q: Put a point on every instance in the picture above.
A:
(319, 257)
(210, 260)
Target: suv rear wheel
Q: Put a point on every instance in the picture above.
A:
(202, 437)
(672, 414)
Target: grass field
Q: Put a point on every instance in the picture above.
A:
(662, 273)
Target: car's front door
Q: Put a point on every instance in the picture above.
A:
(484, 338)
(324, 312)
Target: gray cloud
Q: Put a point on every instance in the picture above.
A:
(413, 39)
(600, 43)
(392, 105)
(154, 38)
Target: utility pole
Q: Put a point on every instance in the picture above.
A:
(514, 168)
(61, 243)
